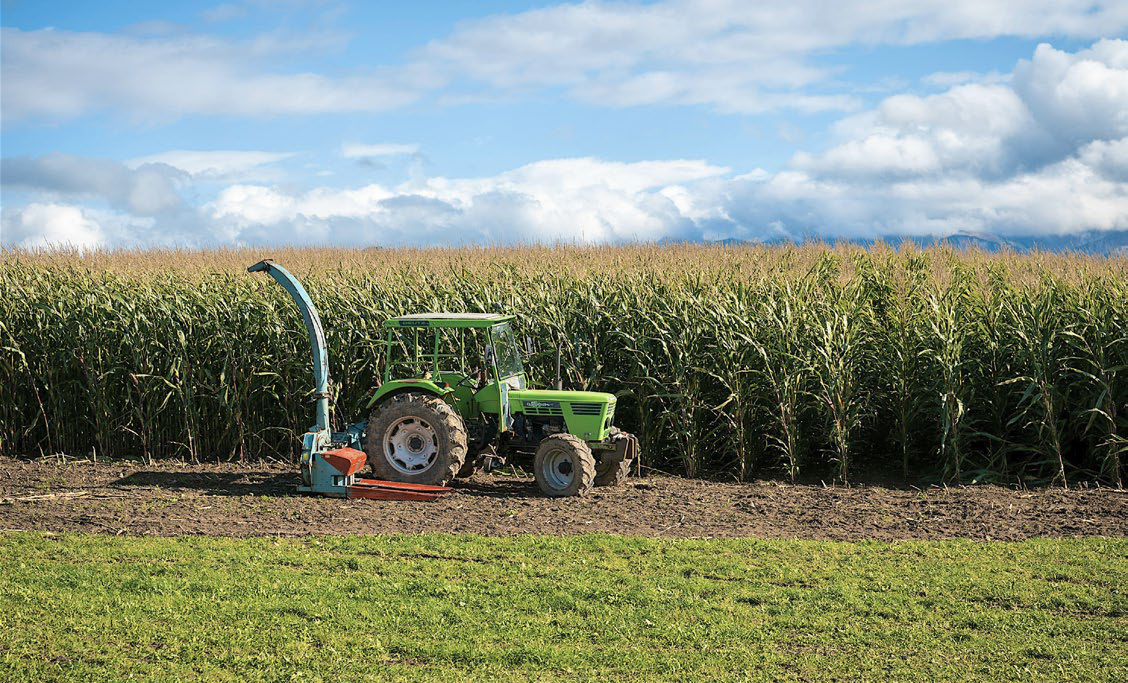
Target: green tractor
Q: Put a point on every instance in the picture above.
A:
(455, 399)
(467, 405)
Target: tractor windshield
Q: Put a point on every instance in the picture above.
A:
(508, 356)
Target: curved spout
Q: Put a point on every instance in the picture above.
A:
(316, 334)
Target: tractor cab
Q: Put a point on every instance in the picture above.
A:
(468, 356)
(481, 342)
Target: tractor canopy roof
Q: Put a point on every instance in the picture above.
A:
(449, 320)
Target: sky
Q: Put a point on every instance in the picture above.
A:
(197, 124)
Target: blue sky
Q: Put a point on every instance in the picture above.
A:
(136, 124)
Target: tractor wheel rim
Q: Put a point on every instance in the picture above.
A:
(410, 445)
(559, 470)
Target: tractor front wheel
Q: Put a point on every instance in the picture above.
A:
(416, 438)
(564, 466)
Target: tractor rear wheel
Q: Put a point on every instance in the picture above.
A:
(564, 466)
(415, 438)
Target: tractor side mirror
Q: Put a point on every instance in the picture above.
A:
(528, 346)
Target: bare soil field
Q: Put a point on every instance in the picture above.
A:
(174, 499)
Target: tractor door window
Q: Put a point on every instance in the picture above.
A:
(402, 352)
(448, 349)
(422, 352)
(506, 352)
(473, 344)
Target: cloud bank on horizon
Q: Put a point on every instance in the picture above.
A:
(590, 122)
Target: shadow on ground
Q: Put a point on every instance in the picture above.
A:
(499, 487)
(284, 484)
(213, 483)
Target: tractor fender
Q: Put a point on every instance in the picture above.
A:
(400, 386)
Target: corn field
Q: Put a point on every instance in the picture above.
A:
(807, 362)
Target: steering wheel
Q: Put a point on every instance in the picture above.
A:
(469, 378)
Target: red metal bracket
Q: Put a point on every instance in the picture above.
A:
(348, 462)
(394, 490)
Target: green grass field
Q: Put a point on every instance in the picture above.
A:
(581, 608)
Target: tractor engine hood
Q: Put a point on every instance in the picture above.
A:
(560, 395)
(588, 414)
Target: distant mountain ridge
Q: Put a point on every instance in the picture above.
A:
(1111, 242)
(1094, 241)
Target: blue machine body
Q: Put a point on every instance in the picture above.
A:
(317, 475)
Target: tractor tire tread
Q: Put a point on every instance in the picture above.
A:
(415, 403)
(584, 461)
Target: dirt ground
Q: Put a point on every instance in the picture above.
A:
(173, 499)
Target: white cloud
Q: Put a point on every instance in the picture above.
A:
(1046, 154)
(965, 129)
(224, 12)
(947, 79)
(1110, 158)
(357, 151)
(1063, 198)
(559, 200)
(145, 190)
(1077, 96)
(977, 156)
(216, 164)
(1057, 103)
(732, 55)
(256, 204)
(981, 157)
(60, 75)
(51, 225)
